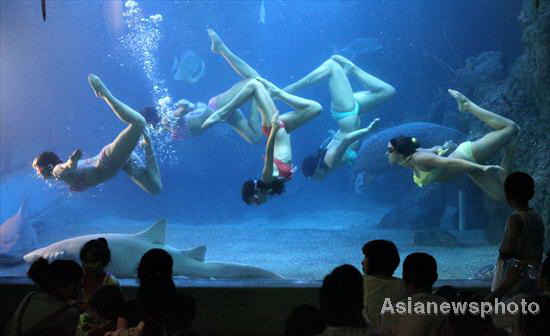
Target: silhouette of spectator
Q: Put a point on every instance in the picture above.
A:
(105, 307)
(522, 241)
(419, 276)
(341, 302)
(469, 323)
(536, 324)
(157, 264)
(380, 261)
(304, 320)
(95, 255)
(50, 307)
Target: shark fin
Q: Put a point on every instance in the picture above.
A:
(23, 208)
(196, 253)
(154, 233)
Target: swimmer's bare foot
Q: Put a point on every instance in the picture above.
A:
(273, 89)
(97, 85)
(345, 63)
(213, 119)
(217, 44)
(464, 104)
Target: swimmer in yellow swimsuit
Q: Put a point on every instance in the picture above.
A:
(429, 167)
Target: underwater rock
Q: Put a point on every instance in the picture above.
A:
(372, 161)
(421, 208)
(449, 219)
(488, 66)
(435, 237)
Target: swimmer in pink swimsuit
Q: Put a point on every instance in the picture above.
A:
(119, 155)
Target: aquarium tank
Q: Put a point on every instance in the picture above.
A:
(253, 139)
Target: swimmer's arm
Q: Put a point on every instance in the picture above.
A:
(436, 161)
(511, 234)
(62, 169)
(73, 159)
(448, 145)
(267, 174)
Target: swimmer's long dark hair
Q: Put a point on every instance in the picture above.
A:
(405, 145)
(45, 159)
(247, 190)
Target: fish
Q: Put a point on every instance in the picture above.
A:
(358, 46)
(17, 236)
(261, 18)
(127, 249)
(189, 67)
(44, 10)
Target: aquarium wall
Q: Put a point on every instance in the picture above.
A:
(156, 53)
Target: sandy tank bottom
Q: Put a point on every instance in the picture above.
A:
(304, 247)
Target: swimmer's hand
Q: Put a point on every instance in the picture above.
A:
(373, 123)
(275, 122)
(449, 144)
(489, 168)
(73, 159)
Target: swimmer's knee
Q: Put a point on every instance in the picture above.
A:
(254, 83)
(140, 122)
(514, 128)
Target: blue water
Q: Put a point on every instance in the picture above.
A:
(47, 104)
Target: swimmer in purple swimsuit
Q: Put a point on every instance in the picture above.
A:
(81, 174)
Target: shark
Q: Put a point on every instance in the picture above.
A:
(127, 249)
(17, 236)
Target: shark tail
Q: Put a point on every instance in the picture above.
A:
(196, 253)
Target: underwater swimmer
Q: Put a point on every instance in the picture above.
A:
(81, 174)
(187, 118)
(347, 107)
(429, 167)
(278, 167)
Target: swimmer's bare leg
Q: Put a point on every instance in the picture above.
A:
(244, 127)
(241, 67)
(505, 130)
(252, 89)
(347, 141)
(120, 150)
(377, 92)
(340, 88)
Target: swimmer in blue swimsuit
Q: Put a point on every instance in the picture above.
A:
(346, 109)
